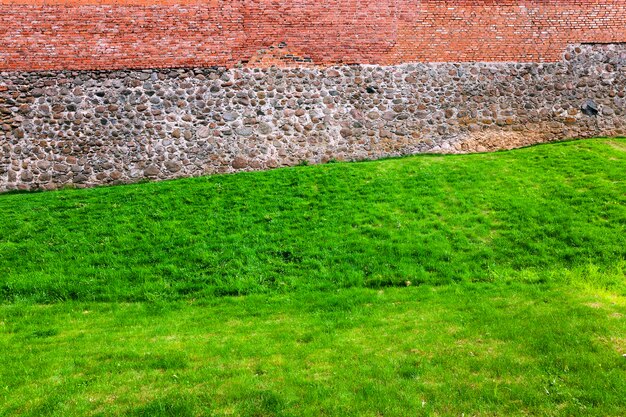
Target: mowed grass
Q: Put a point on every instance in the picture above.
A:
(489, 284)
(429, 220)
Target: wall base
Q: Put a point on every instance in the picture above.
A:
(110, 127)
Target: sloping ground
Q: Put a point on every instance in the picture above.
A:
(487, 284)
(429, 219)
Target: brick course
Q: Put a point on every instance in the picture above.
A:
(111, 34)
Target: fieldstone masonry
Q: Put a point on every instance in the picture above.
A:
(86, 128)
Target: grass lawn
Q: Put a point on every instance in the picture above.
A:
(491, 284)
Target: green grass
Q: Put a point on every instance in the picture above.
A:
(285, 292)
(429, 220)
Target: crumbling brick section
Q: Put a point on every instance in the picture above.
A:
(117, 34)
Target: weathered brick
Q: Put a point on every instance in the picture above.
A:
(114, 34)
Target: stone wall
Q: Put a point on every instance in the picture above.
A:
(108, 127)
(122, 34)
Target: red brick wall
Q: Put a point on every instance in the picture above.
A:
(110, 34)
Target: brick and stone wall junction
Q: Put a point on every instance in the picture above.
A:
(114, 91)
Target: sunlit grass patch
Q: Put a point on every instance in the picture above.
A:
(489, 284)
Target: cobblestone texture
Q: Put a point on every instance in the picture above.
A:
(108, 127)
